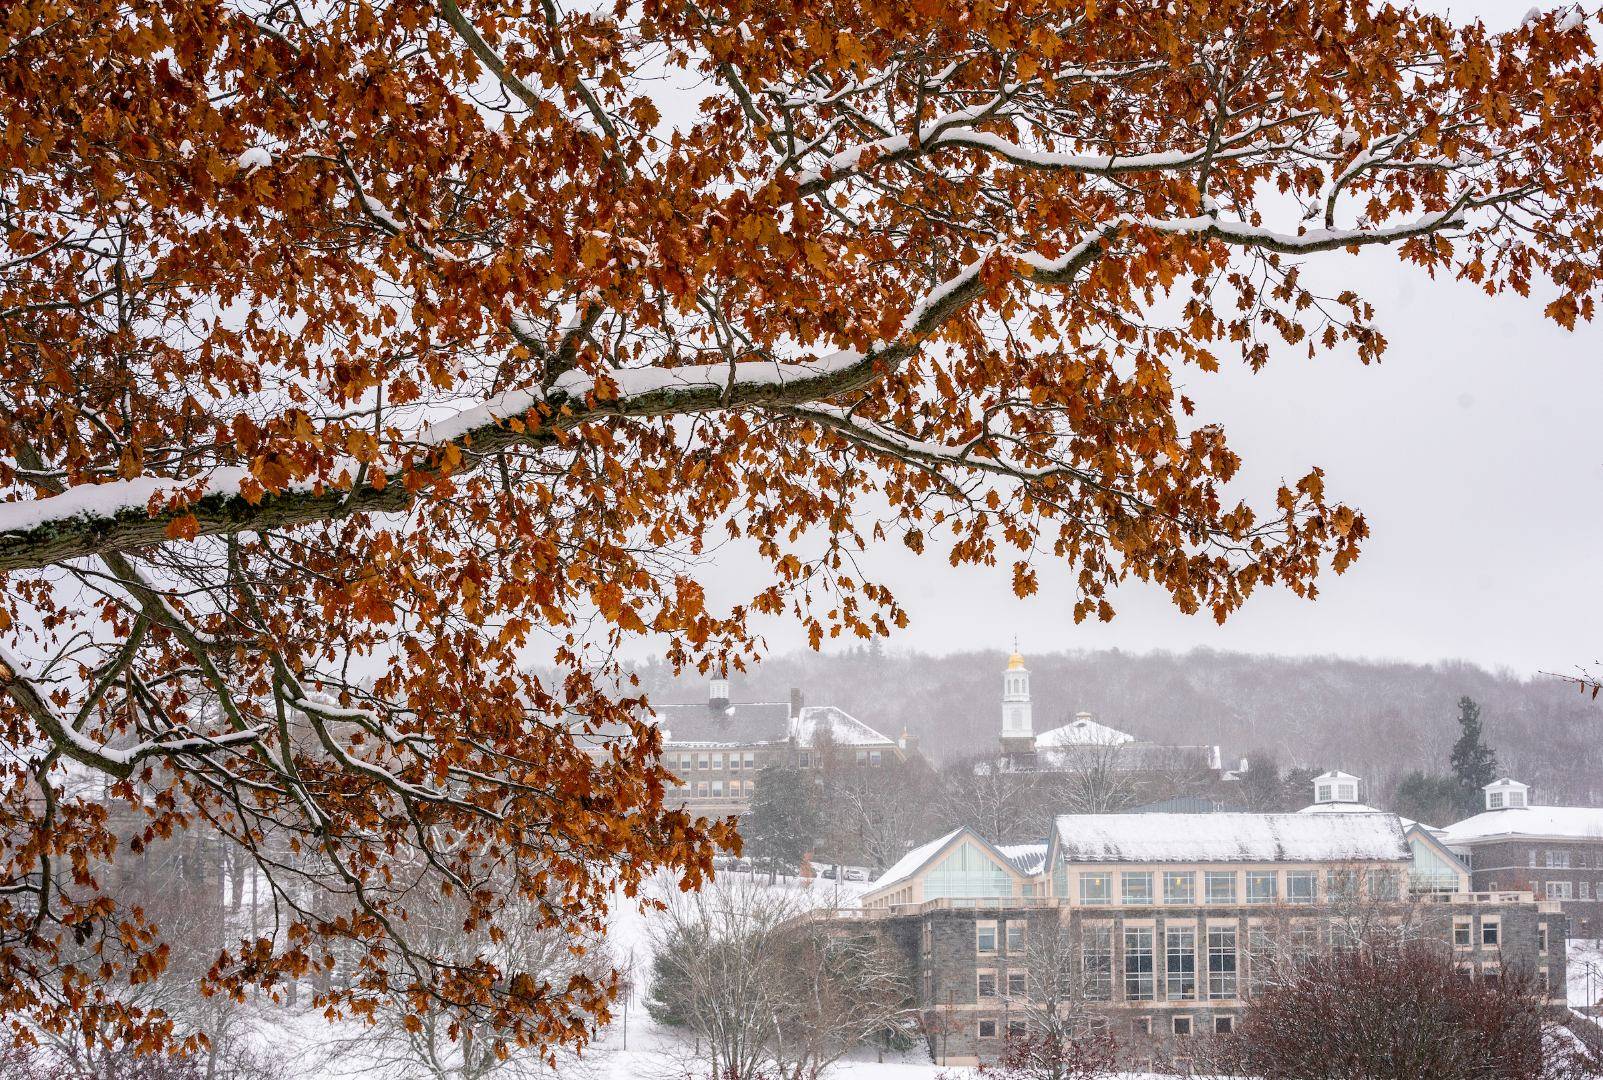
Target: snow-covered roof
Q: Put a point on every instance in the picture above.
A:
(1335, 775)
(1138, 838)
(1353, 808)
(1559, 822)
(909, 864)
(1028, 858)
(1082, 731)
(846, 729)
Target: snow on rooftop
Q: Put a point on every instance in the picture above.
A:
(1029, 858)
(908, 864)
(1082, 731)
(846, 729)
(1319, 837)
(1567, 822)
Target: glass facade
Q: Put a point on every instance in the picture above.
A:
(1262, 887)
(1179, 887)
(1096, 961)
(967, 872)
(1136, 888)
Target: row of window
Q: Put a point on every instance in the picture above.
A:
(1566, 890)
(1225, 886)
(688, 763)
(715, 789)
(1182, 1025)
(1562, 859)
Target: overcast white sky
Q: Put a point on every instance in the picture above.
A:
(1475, 449)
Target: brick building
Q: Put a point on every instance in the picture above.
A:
(716, 748)
(1167, 923)
(1555, 852)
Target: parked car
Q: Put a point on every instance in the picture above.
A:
(856, 873)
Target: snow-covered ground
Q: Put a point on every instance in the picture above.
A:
(1584, 965)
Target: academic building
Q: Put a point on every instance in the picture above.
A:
(716, 748)
(1167, 924)
(1554, 851)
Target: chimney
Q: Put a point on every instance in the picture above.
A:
(908, 742)
(795, 702)
(718, 695)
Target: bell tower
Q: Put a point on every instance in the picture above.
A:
(1018, 727)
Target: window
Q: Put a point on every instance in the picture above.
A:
(1141, 1025)
(1516, 798)
(717, 789)
(1381, 884)
(1015, 935)
(1303, 941)
(702, 762)
(1461, 933)
(985, 937)
(751, 760)
(1541, 937)
(1560, 890)
(987, 984)
(806, 762)
(1260, 959)
(1181, 1025)
(1586, 890)
(1223, 1025)
(1494, 801)
(1221, 962)
(1301, 887)
(718, 761)
(1221, 886)
(1489, 930)
(1096, 888)
(1261, 887)
(1180, 962)
(1016, 1029)
(1137, 888)
(1138, 964)
(1558, 860)
(1179, 887)
(734, 762)
(987, 1029)
(1322, 793)
(1341, 885)
(1096, 960)
(1348, 792)
(861, 757)
(701, 789)
(1017, 984)
(1533, 856)
(874, 758)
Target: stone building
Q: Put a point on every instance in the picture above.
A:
(1554, 851)
(716, 748)
(1167, 923)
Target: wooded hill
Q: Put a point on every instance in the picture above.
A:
(1377, 719)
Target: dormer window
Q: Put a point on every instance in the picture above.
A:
(1494, 801)
(1348, 794)
(1323, 794)
(1516, 798)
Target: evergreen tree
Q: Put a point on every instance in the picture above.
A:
(1474, 763)
(1433, 798)
(784, 819)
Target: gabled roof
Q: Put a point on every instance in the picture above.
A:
(914, 861)
(1335, 775)
(1429, 837)
(1559, 822)
(1137, 838)
(845, 729)
(1082, 731)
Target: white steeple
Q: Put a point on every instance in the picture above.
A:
(1016, 720)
